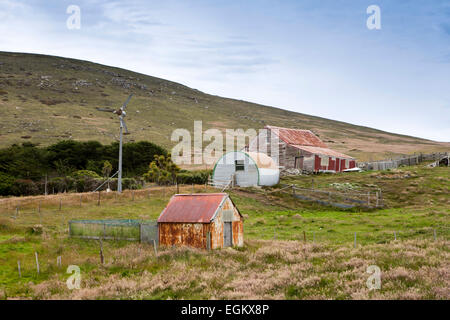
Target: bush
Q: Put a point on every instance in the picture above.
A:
(195, 177)
(59, 185)
(131, 183)
(23, 187)
(85, 174)
(6, 183)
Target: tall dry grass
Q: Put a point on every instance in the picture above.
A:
(414, 269)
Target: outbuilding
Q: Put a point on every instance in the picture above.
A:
(203, 220)
(300, 149)
(245, 169)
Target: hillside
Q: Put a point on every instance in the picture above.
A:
(45, 99)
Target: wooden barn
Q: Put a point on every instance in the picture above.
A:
(300, 149)
(206, 221)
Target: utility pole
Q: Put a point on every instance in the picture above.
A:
(119, 180)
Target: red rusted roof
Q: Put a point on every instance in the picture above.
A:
(323, 151)
(192, 208)
(297, 137)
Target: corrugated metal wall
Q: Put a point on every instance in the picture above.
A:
(195, 234)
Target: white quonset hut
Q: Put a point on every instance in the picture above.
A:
(245, 169)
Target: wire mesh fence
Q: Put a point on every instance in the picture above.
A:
(115, 229)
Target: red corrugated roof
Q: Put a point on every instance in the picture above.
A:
(323, 151)
(192, 208)
(298, 137)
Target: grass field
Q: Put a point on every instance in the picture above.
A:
(276, 261)
(45, 99)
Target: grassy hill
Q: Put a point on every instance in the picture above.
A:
(45, 99)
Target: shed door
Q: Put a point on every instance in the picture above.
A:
(299, 162)
(227, 234)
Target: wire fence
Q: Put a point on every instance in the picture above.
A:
(431, 233)
(16, 205)
(344, 200)
(115, 229)
(401, 161)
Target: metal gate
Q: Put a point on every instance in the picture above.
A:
(227, 234)
(149, 232)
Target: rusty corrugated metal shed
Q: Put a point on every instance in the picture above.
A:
(192, 208)
(323, 151)
(297, 137)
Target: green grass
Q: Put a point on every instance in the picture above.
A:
(196, 274)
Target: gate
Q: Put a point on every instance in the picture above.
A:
(149, 233)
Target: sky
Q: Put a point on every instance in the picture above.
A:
(313, 57)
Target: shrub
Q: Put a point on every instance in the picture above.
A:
(6, 183)
(85, 174)
(131, 183)
(195, 177)
(59, 184)
(23, 187)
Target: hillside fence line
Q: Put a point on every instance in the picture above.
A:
(344, 200)
(15, 205)
(402, 161)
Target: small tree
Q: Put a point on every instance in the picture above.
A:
(106, 170)
(162, 170)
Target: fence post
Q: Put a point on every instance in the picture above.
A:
(377, 199)
(368, 198)
(395, 235)
(60, 204)
(39, 207)
(37, 262)
(102, 259)
(132, 195)
(81, 198)
(17, 212)
(154, 247)
(178, 187)
(354, 245)
(18, 265)
(304, 236)
(435, 237)
(192, 187)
